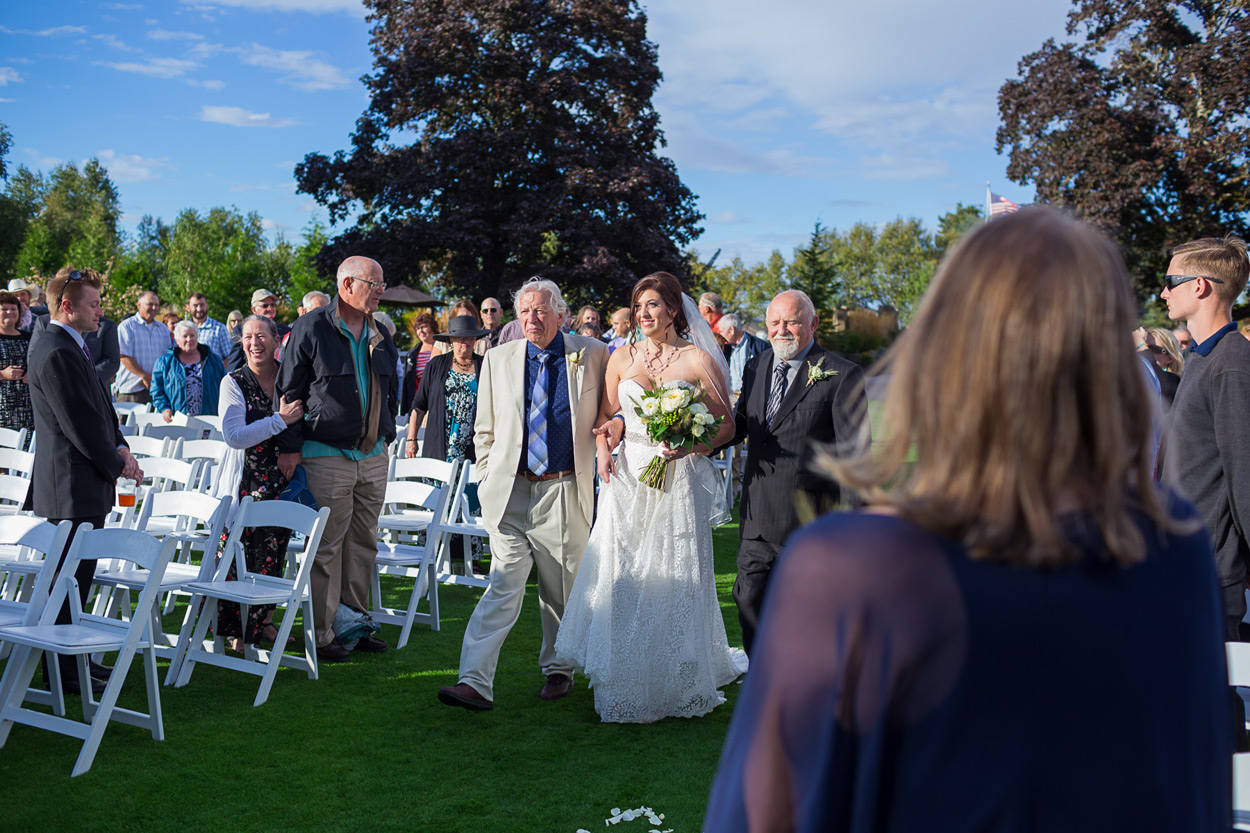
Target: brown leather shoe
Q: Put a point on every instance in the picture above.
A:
(370, 645)
(557, 686)
(465, 696)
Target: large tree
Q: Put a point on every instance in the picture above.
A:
(506, 137)
(1142, 124)
(76, 222)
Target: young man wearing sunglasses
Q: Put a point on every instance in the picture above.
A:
(1208, 449)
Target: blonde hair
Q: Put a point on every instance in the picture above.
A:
(1173, 348)
(1046, 411)
(1223, 258)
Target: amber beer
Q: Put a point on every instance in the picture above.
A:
(125, 498)
(126, 492)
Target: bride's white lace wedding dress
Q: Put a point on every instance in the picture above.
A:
(643, 619)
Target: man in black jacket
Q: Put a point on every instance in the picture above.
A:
(81, 452)
(794, 395)
(102, 344)
(342, 365)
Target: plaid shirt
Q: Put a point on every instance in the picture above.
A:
(213, 335)
(145, 343)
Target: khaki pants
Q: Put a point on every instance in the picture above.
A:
(343, 567)
(543, 526)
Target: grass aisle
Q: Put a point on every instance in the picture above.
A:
(368, 747)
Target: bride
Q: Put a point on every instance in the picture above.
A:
(643, 620)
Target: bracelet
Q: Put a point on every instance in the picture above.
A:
(411, 440)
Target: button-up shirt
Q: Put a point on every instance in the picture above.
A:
(559, 413)
(747, 348)
(145, 343)
(793, 366)
(213, 335)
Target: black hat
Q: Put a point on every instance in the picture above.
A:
(462, 326)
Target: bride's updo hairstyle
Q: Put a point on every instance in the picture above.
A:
(669, 289)
(1044, 413)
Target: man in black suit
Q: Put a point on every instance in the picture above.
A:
(795, 394)
(80, 452)
(102, 344)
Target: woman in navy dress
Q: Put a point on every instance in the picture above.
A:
(1021, 632)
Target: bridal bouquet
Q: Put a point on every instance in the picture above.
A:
(674, 414)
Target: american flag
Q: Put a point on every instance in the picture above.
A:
(1001, 205)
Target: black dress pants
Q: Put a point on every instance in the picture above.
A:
(755, 564)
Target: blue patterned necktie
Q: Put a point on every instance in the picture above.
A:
(537, 459)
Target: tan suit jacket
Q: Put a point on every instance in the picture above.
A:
(499, 431)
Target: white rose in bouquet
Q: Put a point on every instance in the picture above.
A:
(650, 407)
(672, 400)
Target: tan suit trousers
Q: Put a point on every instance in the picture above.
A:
(343, 568)
(545, 527)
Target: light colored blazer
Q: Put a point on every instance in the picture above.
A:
(499, 431)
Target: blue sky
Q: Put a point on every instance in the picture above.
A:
(776, 114)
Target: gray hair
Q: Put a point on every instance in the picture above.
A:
(805, 303)
(184, 325)
(264, 319)
(729, 321)
(385, 320)
(540, 284)
(712, 300)
(309, 297)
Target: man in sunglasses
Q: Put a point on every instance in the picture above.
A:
(1207, 455)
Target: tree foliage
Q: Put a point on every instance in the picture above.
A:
(504, 138)
(1142, 125)
(955, 224)
(76, 222)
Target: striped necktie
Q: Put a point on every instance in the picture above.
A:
(537, 457)
(777, 392)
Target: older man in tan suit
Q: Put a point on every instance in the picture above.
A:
(537, 403)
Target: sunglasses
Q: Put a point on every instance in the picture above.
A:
(75, 275)
(1156, 349)
(1173, 281)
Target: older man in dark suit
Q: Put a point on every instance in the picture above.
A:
(80, 452)
(794, 395)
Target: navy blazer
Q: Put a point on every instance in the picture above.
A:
(76, 459)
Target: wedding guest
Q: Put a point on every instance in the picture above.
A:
(991, 644)
(187, 377)
(1169, 363)
(492, 319)
(1183, 337)
(142, 339)
(621, 329)
(585, 315)
(711, 307)
(234, 324)
(589, 329)
(170, 319)
(15, 410)
(249, 468)
(424, 328)
(465, 306)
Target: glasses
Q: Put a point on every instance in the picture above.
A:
(1156, 349)
(1173, 281)
(489, 310)
(75, 275)
(372, 284)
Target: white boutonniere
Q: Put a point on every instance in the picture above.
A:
(818, 373)
(575, 359)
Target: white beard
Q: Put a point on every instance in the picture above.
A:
(785, 348)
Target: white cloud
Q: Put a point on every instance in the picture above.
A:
(302, 70)
(154, 67)
(208, 85)
(7, 100)
(46, 33)
(8, 75)
(123, 167)
(41, 160)
(122, 7)
(352, 7)
(893, 166)
(238, 117)
(115, 42)
(165, 34)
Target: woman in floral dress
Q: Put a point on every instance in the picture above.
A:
(15, 409)
(250, 468)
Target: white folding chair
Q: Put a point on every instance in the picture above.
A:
(209, 425)
(251, 589)
(193, 520)
(12, 439)
(20, 463)
(28, 542)
(172, 432)
(164, 474)
(210, 453)
(84, 635)
(1238, 654)
(13, 490)
(460, 521)
(418, 562)
(142, 419)
(725, 462)
(126, 411)
(147, 447)
(403, 524)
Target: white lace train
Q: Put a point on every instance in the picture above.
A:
(643, 619)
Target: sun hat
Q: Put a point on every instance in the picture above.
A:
(462, 326)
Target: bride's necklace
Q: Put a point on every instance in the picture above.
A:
(654, 369)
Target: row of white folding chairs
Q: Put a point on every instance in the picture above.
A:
(28, 624)
(1239, 677)
(10, 438)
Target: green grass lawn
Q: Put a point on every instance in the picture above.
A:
(369, 747)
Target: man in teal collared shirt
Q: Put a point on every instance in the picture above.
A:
(343, 365)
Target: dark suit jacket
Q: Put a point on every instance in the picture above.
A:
(76, 458)
(778, 458)
(103, 345)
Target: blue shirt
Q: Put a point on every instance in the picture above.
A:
(360, 357)
(213, 335)
(1205, 348)
(559, 414)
